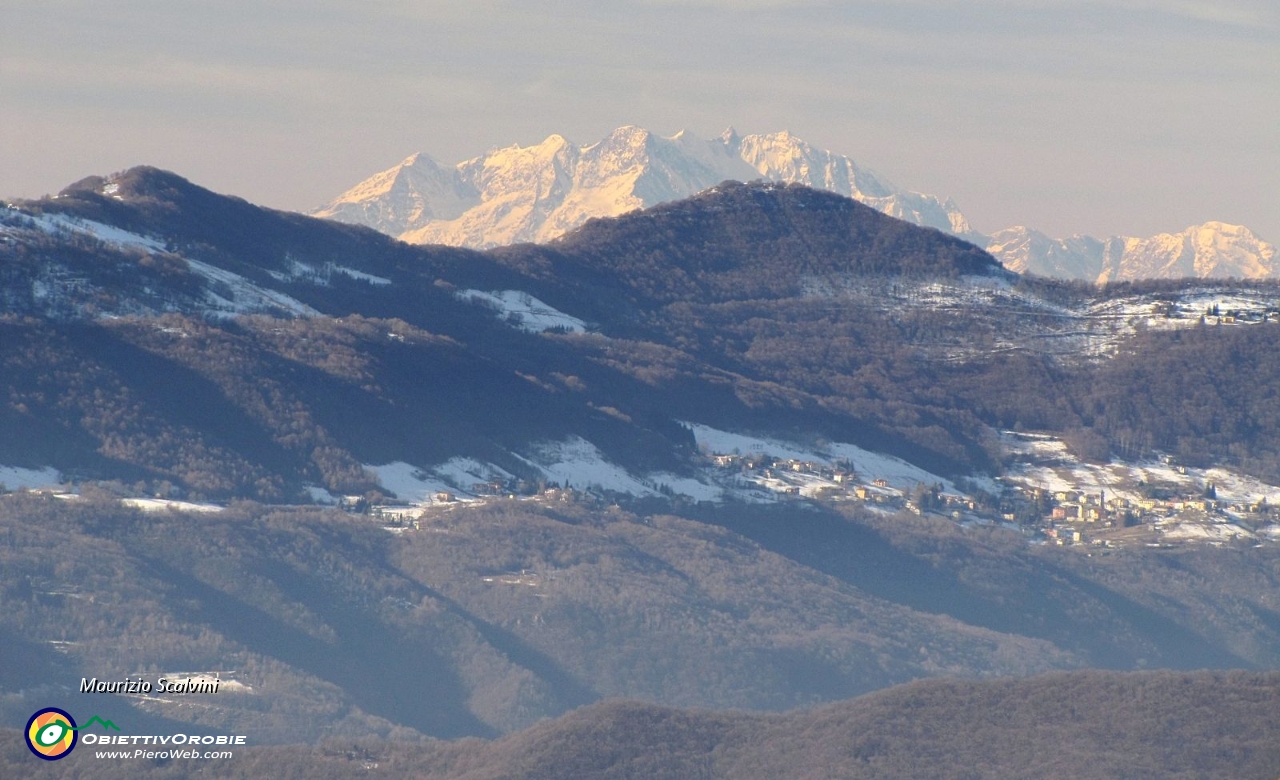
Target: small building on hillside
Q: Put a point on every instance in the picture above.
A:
(395, 514)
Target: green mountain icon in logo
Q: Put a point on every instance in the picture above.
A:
(106, 724)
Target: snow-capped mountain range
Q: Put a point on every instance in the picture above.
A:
(537, 193)
(1212, 250)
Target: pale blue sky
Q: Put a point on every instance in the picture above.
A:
(1115, 116)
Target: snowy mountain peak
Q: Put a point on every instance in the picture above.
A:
(415, 159)
(630, 131)
(537, 193)
(1212, 250)
(410, 195)
(782, 156)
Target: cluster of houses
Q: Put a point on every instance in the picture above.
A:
(795, 478)
(1230, 317)
(410, 516)
(1074, 517)
(790, 476)
(1062, 517)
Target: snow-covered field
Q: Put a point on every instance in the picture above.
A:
(1204, 531)
(687, 486)
(246, 297)
(578, 464)
(54, 223)
(456, 476)
(164, 505)
(231, 293)
(464, 473)
(409, 482)
(524, 311)
(574, 463)
(869, 465)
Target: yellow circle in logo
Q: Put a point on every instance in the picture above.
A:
(51, 733)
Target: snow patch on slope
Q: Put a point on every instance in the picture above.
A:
(456, 476)
(897, 472)
(52, 223)
(229, 293)
(686, 486)
(464, 473)
(166, 505)
(321, 275)
(245, 296)
(360, 276)
(522, 310)
(578, 464)
(1200, 531)
(409, 482)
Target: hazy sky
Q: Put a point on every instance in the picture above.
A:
(1115, 116)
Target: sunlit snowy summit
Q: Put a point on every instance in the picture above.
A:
(537, 193)
(1213, 250)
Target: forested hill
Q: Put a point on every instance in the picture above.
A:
(763, 308)
(734, 242)
(96, 265)
(740, 242)
(1086, 726)
(192, 221)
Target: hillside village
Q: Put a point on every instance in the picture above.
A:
(1047, 494)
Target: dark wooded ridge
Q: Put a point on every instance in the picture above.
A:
(1089, 725)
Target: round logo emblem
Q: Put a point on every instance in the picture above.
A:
(51, 733)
